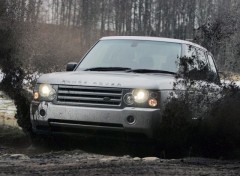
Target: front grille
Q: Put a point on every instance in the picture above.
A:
(89, 96)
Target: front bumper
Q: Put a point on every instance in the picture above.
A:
(73, 119)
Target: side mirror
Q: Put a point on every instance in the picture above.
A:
(71, 66)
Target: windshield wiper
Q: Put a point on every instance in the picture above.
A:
(128, 70)
(108, 69)
(151, 71)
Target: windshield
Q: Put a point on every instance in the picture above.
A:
(133, 54)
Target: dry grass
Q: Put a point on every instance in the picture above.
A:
(8, 120)
(230, 76)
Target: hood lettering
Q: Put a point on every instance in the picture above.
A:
(88, 83)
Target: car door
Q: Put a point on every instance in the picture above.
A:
(204, 89)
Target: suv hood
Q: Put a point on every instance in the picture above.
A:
(110, 79)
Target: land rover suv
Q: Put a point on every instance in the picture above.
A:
(120, 85)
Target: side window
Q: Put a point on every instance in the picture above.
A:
(191, 51)
(201, 60)
(196, 58)
(197, 63)
(213, 76)
(191, 57)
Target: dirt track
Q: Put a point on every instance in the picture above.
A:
(78, 162)
(99, 157)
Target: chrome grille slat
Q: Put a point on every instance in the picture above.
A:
(85, 98)
(89, 96)
(90, 88)
(87, 93)
(86, 104)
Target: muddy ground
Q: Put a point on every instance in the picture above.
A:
(101, 157)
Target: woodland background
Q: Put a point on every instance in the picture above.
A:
(39, 36)
(43, 35)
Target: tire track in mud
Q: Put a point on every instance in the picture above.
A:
(79, 162)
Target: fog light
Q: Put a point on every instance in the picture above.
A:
(42, 112)
(153, 102)
(130, 119)
(35, 95)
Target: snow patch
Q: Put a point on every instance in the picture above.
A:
(1, 76)
(228, 82)
(7, 109)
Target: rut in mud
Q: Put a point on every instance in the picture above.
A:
(103, 162)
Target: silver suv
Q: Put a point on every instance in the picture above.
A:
(120, 86)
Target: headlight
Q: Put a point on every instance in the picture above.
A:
(142, 98)
(140, 95)
(128, 99)
(45, 92)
